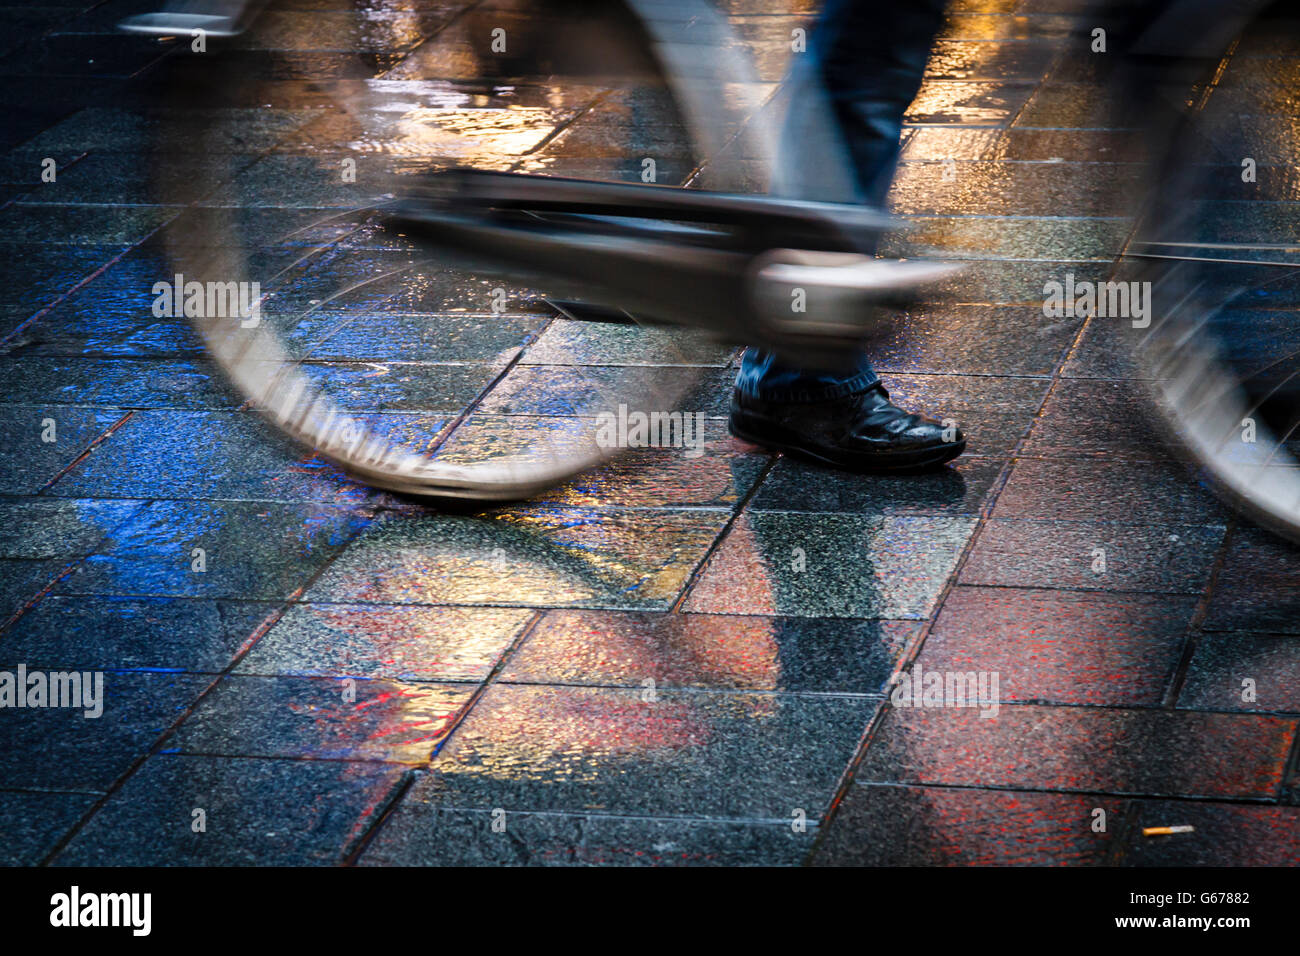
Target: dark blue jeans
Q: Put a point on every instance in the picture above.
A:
(868, 57)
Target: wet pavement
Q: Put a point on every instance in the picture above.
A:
(673, 660)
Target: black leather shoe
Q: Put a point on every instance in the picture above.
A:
(861, 432)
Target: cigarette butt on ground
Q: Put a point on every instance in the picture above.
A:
(1166, 831)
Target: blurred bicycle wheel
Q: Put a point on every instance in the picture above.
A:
(412, 369)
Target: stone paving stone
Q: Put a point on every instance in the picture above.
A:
(414, 431)
(1225, 835)
(24, 24)
(403, 643)
(22, 580)
(113, 633)
(484, 136)
(1005, 237)
(45, 272)
(1068, 647)
(1224, 660)
(263, 812)
(262, 70)
(993, 412)
(76, 55)
(1067, 145)
(302, 181)
(553, 557)
(1124, 492)
(36, 103)
(186, 464)
(109, 129)
(975, 340)
(395, 281)
(958, 489)
(253, 550)
(1262, 288)
(1258, 337)
(758, 757)
(1165, 558)
(537, 439)
(11, 318)
(57, 748)
(322, 718)
(968, 60)
(378, 32)
(985, 26)
(1272, 183)
(31, 823)
(106, 179)
(783, 8)
(1107, 349)
(968, 102)
(1099, 420)
(81, 225)
(606, 648)
(604, 139)
(766, 41)
(569, 342)
(488, 339)
(116, 383)
(831, 565)
(666, 478)
(1250, 222)
(933, 826)
(1264, 39)
(587, 390)
(1006, 282)
(1256, 590)
(639, 100)
(442, 106)
(1070, 105)
(196, 454)
(278, 230)
(122, 291)
(30, 463)
(64, 331)
(939, 143)
(400, 386)
(1013, 189)
(1159, 753)
(39, 529)
(421, 835)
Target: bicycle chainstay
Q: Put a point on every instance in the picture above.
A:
(777, 273)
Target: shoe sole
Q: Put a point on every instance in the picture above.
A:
(908, 461)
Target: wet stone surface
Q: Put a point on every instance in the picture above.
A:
(831, 566)
(292, 812)
(705, 650)
(933, 826)
(420, 835)
(322, 718)
(744, 756)
(669, 659)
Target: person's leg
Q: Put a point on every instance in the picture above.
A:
(866, 57)
(864, 62)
